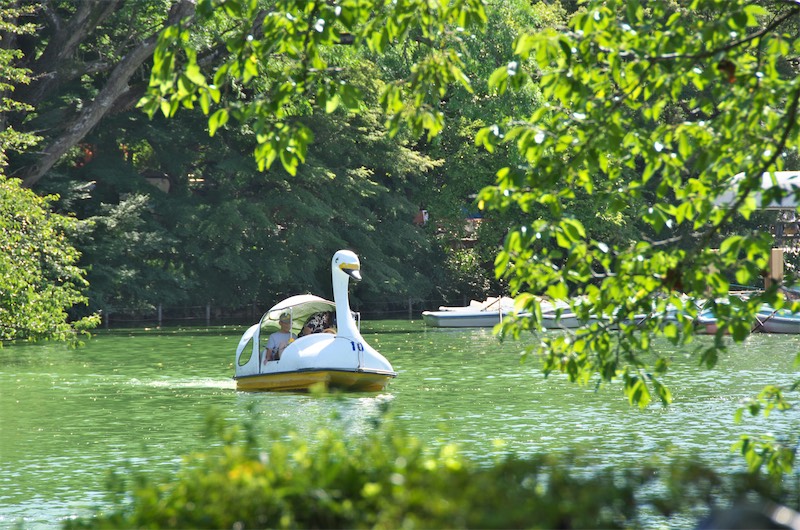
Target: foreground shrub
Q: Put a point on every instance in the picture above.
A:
(389, 480)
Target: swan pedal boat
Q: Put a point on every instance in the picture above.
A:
(343, 360)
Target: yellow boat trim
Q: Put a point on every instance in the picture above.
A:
(288, 381)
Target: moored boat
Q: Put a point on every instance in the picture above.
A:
(706, 322)
(341, 360)
(559, 315)
(476, 315)
(769, 320)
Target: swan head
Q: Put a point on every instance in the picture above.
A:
(346, 261)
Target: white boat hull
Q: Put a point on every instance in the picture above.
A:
(768, 320)
(461, 319)
(484, 314)
(778, 322)
(568, 320)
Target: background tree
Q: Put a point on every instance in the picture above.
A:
(214, 228)
(86, 53)
(39, 279)
(294, 62)
(13, 76)
(219, 230)
(469, 239)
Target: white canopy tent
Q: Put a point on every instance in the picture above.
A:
(788, 181)
(787, 225)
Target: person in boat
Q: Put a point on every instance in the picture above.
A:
(329, 325)
(278, 341)
(318, 323)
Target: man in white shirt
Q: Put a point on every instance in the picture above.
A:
(280, 339)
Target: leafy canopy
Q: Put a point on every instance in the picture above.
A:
(292, 40)
(12, 75)
(652, 109)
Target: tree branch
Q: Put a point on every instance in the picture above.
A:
(116, 86)
(52, 69)
(733, 44)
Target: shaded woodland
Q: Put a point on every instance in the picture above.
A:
(174, 217)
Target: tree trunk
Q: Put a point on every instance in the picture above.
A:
(116, 86)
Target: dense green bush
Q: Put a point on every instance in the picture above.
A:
(40, 282)
(390, 480)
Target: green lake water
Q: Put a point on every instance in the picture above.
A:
(139, 399)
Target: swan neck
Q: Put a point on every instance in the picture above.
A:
(344, 319)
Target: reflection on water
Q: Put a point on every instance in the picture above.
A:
(138, 401)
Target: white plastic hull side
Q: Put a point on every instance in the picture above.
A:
(460, 319)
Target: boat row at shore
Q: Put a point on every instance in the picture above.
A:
(492, 311)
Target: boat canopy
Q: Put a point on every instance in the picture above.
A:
(300, 307)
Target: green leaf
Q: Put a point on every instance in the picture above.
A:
(753, 12)
(193, 73)
(498, 81)
(663, 392)
(738, 20)
(558, 291)
(217, 120)
(351, 97)
(332, 104)
(205, 102)
(524, 44)
(573, 229)
(166, 108)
